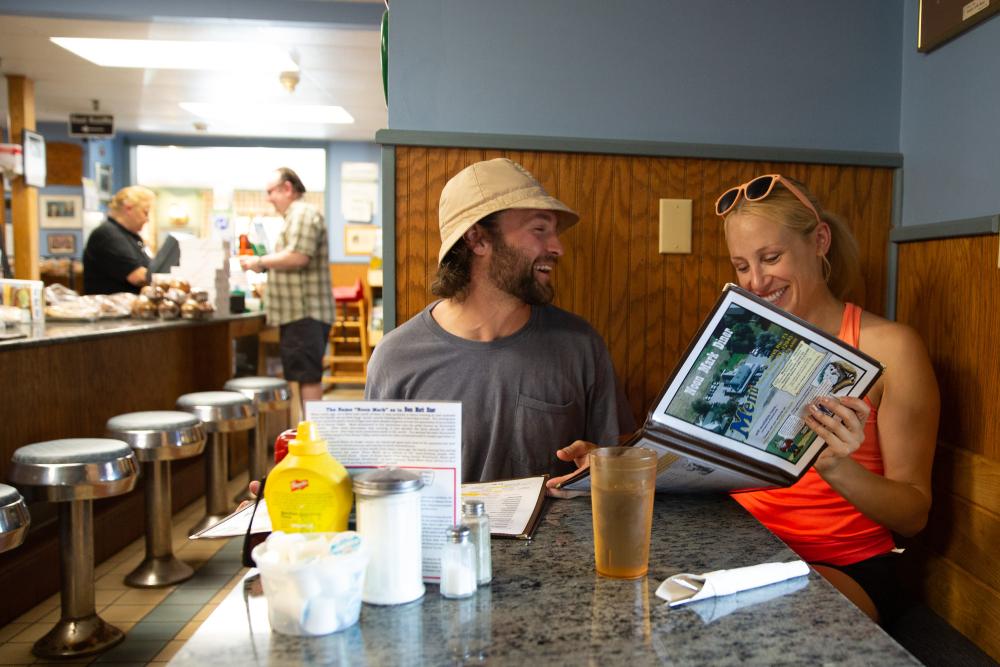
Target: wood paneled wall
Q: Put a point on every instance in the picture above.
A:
(949, 290)
(647, 306)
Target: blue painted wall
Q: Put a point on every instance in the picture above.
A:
(94, 151)
(328, 12)
(336, 155)
(950, 125)
(786, 73)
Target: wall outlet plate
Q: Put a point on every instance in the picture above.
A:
(675, 226)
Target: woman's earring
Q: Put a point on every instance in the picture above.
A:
(827, 269)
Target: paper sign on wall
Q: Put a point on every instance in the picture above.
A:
(358, 191)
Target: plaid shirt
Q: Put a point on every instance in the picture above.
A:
(294, 294)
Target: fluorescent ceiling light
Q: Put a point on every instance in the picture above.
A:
(251, 112)
(166, 54)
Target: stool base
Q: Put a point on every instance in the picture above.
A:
(78, 637)
(207, 521)
(159, 572)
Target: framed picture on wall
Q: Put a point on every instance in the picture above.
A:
(34, 159)
(102, 174)
(60, 211)
(942, 20)
(61, 243)
(360, 239)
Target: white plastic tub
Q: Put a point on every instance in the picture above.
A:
(312, 581)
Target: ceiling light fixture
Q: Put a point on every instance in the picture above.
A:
(289, 80)
(168, 54)
(250, 112)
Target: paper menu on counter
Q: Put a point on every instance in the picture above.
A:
(424, 437)
(236, 524)
(513, 505)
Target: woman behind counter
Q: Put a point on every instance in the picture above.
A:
(115, 259)
(874, 477)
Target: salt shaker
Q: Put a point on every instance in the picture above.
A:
(458, 564)
(474, 516)
(388, 518)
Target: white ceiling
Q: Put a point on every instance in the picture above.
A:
(337, 67)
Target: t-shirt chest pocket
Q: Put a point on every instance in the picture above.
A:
(540, 428)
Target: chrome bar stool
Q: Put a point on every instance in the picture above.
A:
(222, 412)
(14, 518)
(157, 438)
(73, 472)
(268, 395)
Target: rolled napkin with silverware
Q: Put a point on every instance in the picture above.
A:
(683, 588)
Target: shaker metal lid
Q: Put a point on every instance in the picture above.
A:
(458, 533)
(386, 481)
(473, 506)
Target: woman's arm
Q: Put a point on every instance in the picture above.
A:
(907, 426)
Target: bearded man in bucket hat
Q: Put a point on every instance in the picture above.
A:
(532, 378)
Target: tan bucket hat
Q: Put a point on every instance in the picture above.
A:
(486, 187)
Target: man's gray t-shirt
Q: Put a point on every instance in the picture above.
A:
(523, 396)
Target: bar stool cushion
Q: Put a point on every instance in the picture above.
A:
(220, 411)
(71, 450)
(8, 495)
(267, 393)
(75, 468)
(347, 293)
(159, 435)
(14, 518)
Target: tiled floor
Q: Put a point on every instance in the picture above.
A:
(156, 621)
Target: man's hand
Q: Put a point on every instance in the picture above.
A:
(251, 263)
(578, 453)
(254, 489)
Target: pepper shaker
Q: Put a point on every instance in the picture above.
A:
(474, 516)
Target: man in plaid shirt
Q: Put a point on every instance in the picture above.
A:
(299, 297)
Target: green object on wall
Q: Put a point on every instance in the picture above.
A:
(385, 55)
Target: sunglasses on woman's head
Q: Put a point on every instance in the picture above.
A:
(757, 189)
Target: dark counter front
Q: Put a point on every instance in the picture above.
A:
(67, 380)
(547, 605)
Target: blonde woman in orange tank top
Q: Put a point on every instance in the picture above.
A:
(874, 477)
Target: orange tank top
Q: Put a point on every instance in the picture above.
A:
(813, 519)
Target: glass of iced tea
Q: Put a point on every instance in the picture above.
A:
(622, 483)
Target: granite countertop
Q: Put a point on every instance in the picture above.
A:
(54, 332)
(546, 605)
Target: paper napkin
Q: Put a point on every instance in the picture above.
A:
(683, 588)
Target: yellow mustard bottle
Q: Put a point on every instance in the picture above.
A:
(308, 491)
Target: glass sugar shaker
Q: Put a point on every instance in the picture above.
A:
(474, 516)
(388, 518)
(458, 564)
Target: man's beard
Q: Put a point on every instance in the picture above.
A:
(514, 273)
